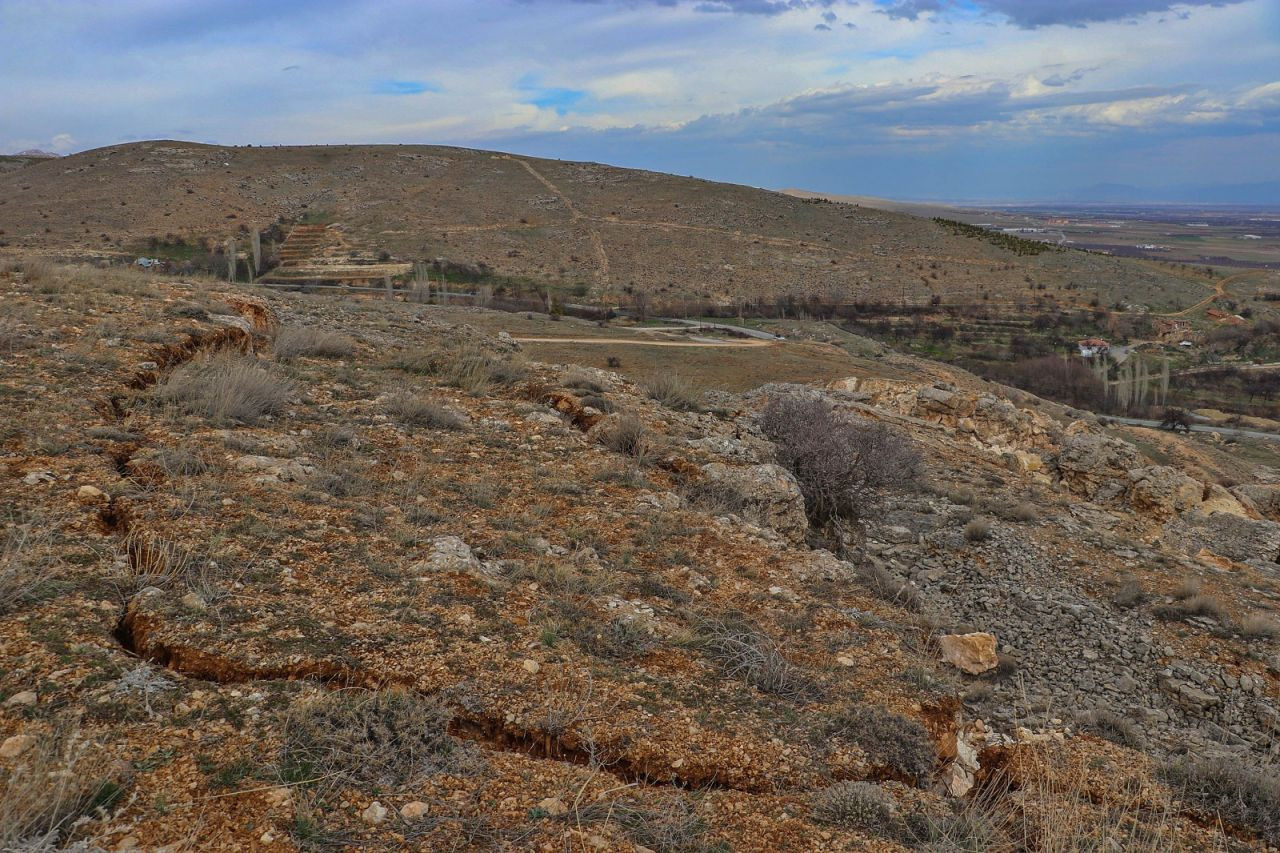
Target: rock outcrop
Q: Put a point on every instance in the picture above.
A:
(770, 496)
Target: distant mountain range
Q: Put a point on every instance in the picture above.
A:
(35, 152)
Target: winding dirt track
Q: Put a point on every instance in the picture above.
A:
(643, 343)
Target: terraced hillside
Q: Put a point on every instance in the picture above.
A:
(596, 228)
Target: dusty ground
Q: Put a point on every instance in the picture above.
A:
(410, 605)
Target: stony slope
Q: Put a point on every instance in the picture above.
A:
(334, 614)
(569, 224)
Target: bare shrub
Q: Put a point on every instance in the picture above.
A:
(1025, 512)
(977, 530)
(842, 465)
(674, 392)
(580, 380)
(180, 462)
(1232, 791)
(746, 653)
(1205, 605)
(858, 805)
(294, 341)
(600, 404)
(890, 740)
(419, 411)
(1261, 626)
(466, 367)
(385, 738)
(226, 389)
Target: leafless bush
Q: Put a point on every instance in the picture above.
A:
(1113, 727)
(1025, 512)
(673, 391)
(617, 639)
(418, 411)
(580, 380)
(294, 341)
(889, 587)
(842, 465)
(226, 388)
(746, 653)
(385, 738)
(1188, 587)
(1130, 593)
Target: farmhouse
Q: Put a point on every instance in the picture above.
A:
(1091, 347)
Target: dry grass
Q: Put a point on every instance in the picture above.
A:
(294, 341)
(977, 530)
(891, 741)
(1188, 587)
(154, 561)
(10, 337)
(674, 392)
(467, 367)
(669, 823)
(858, 805)
(629, 436)
(746, 653)
(22, 574)
(226, 389)
(384, 738)
(1260, 626)
(421, 412)
(47, 789)
(1230, 791)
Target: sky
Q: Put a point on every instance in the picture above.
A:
(912, 99)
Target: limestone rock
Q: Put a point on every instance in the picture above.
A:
(553, 806)
(415, 810)
(973, 653)
(375, 814)
(90, 493)
(1162, 491)
(769, 493)
(16, 745)
(1096, 466)
(23, 698)
(531, 666)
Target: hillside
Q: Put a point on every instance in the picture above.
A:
(285, 571)
(582, 227)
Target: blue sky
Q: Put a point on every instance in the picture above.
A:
(994, 99)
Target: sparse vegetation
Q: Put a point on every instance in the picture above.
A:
(629, 436)
(841, 465)
(890, 740)
(385, 738)
(296, 341)
(1260, 626)
(977, 530)
(746, 653)
(674, 392)
(858, 805)
(417, 411)
(226, 389)
(1113, 727)
(22, 573)
(1231, 791)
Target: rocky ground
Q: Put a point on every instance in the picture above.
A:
(286, 571)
